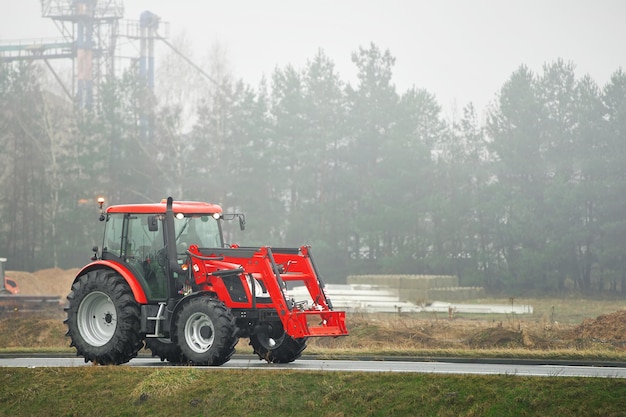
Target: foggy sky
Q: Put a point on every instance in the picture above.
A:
(461, 50)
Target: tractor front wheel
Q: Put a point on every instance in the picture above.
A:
(205, 332)
(103, 318)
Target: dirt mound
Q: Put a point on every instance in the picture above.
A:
(496, 337)
(53, 281)
(607, 327)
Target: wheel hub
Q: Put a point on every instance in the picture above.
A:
(97, 319)
(206, 332)
(199, 332)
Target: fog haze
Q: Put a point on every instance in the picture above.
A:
(377, 163)
(461, 51)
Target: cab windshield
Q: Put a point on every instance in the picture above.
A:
(196, 229)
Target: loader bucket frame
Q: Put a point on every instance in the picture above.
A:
(274, 269)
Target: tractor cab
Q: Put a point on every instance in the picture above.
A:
(136, 236)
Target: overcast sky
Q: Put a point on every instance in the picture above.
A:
(459, 50)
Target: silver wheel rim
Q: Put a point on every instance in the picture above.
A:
(199, 332)
(272, 343)
(268, 342)
(97, 318)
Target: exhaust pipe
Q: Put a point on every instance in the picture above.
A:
(170, 239)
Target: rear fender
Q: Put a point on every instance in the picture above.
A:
(135, 286)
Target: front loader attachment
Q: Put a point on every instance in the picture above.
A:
(317, 319)
(267, 274)
(311, 323)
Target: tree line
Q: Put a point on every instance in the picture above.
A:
(528, 196)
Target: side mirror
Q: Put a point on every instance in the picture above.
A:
(231, 216)
(153, 224)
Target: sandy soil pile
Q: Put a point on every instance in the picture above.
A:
(53, 281)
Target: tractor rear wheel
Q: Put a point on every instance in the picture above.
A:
(165, 349)
(103, 318)
(205, 332)
(272, 344)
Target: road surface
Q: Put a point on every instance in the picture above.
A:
(474, 368)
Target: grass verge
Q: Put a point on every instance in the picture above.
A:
(122, 391)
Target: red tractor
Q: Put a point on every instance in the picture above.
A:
(165, 279)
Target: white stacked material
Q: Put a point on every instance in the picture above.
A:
(441, 307)
(359, 298)
(378, 299)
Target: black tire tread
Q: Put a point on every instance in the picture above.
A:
(225, 340)
(288, 351)
(126, 340)
(165, 351)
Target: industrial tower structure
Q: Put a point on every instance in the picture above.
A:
(90, 31)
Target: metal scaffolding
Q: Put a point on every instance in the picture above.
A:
(92, 27)
(90, 31)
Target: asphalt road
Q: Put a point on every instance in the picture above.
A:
(459, 368)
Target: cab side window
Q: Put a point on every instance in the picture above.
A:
(113, 234)
(145, 236)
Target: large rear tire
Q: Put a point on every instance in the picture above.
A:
(205, 332)
(275, 346)
(103, 318)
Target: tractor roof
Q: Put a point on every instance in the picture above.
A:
(187, 207)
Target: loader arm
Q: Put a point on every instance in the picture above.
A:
(274, 268)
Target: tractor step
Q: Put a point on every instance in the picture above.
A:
(158, 318)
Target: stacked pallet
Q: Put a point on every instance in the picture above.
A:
(421, 288)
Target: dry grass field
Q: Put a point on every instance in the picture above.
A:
(571, 327)
(602, 336)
